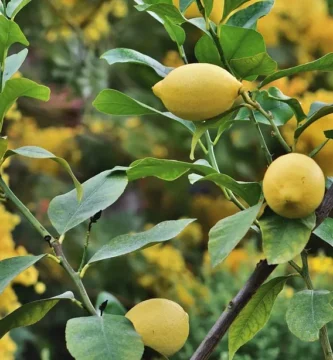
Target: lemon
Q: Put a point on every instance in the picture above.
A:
(198, 91)
(162, 324)
(294, 186)
(192, 11)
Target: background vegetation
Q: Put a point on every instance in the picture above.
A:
(66, 39)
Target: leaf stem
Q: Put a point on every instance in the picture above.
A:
(305, 274)
(53, 242)
(85, 247)
(256, 106)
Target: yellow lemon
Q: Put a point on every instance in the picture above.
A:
(192, 11)
(162, 324)
(294, 186)
(198, 91)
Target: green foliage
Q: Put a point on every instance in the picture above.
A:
(113, 307)
(325, 231)
(10, 268)
(163, 11)
(248, 17)
(308, 312)
(12, 65)
(31, 313)
(283, 238)
(176, 32)
(3, 147)
(206, 52)
(255, 314)
(119, 55)
(15, 6)
(99, 192)
(228, 232)
(107, 336)
(230, 5)
(125, 244)
(36, 152)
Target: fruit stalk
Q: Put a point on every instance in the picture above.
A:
(258, 277)
(54, 243)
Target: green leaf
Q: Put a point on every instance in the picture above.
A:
(283, 238)
(324, 63)
(125, 244)
(206, 52)
(231, 5)
(247, 18)
(168, 170)
(281, 112)
(199, 23)
(114, 306)
(10, 33)
(317, 111)
(3, 147)
(122, 55)
(228, 232)
(36, 152)
(10, 268)
(275, 94)
(99, 192)
(328, 134)
(163, 11)
(15, 6)
(110, 337)
(308, 312)
(31, 313)
(114, 102)
(260, 64)
(12, 65)
(176, 32)
(184, 4)
(15, 88)
(325, 231)
(208, 6)
(248, 191)
(255, 314)
(1, 8)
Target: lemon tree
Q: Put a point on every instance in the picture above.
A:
(207, 97)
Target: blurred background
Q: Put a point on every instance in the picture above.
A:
(66, 39)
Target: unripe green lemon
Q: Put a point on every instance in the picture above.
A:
(162, 324)
(198, 91)
(294, 186)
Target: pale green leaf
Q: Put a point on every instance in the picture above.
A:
(15, 6)
(325, 231)
(114, 306)
(12, 65)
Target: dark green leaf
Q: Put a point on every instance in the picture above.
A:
(109, 337)
(248, 191)
(325, 63)
(122, 55)
(317, 111)
(31, 313)
(325, 231)
(247, 18)
(184, 4)
(168, 170)
(114, 102)
(125, 244)
(275, 94)
(255, 314)
(329, 134)
(114, 306)
(36, 152)
(164, 11)
(10, 33)
(308, 312)
(206, 52)
(13, 64)
(260, 64)
(15, 88)
(176, 32)
(15, 6)
(283, 238)
(231, 5)
(228, 232)
(99, 192)
(10, 268)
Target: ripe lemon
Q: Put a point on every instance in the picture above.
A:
(162, 324)
(294, 186)
(198, 91)
(192, 11)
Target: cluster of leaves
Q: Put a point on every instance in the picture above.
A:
(243, 49)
